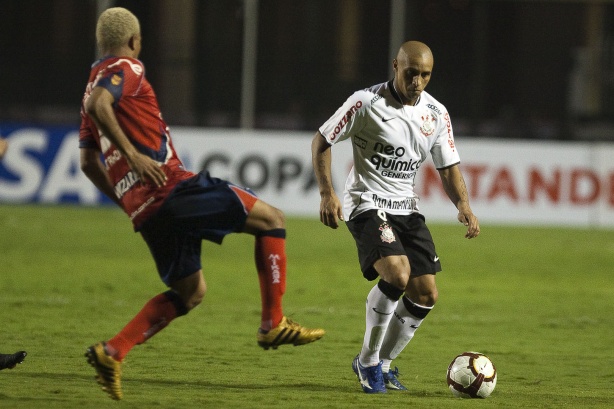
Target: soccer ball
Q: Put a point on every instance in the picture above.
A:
(471, 375)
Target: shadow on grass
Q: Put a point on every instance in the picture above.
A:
(61, 379)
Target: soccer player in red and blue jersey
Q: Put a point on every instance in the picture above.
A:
(172, 208)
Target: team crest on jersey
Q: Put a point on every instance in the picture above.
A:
(387, 235)
(428, 125)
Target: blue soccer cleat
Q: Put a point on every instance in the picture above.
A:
(391, 381)
(371, 378)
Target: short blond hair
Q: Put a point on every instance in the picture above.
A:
(115, 27)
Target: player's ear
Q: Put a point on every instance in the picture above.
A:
(132, 42)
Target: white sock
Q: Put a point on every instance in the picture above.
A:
(379, 311)
(401, 330)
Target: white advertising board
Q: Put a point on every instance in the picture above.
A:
(509, 181)
(517, 182)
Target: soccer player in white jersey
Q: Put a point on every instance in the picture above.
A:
(393, 126)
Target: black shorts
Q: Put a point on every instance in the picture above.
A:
(379, 234)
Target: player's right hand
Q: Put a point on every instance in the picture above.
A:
(331, 211)
(147, 169)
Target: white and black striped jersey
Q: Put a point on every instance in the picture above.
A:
(390, 142)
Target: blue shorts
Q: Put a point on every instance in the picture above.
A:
(199, 208)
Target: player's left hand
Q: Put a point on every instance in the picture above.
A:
(468, 219)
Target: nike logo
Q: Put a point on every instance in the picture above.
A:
(363, 381)
(414, 326)
(388, 119)
(382, 313)
(436, 259)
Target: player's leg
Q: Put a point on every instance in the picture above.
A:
(157, 313)
(381, 255)
(177, 258)
(381, 303)
(417, 302)
(420, 294)
(267, 225)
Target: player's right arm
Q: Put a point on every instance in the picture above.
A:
(93, 168)
(331, 210)
(99, 107)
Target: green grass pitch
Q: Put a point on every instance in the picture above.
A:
(538, 301)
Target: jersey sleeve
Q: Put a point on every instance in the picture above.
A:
(122, 77)
(348, 120)
(443, 151)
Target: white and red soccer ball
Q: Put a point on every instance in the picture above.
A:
(471, 375)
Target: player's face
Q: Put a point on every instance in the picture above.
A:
(412, 76)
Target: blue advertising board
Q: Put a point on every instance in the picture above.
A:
(42, 166)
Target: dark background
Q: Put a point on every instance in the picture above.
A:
(509, 69)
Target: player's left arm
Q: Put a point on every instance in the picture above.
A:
(456, 189)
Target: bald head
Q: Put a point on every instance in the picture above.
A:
(413, 50)
(412, 70)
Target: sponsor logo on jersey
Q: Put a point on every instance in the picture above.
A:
(346, 118)
(387, 235)
(449, 129)
(427, 127)
(361, 143)
(387, 157)
(433, 108)
(125, 184)
(112, 158)
(142, 207)
(116, 80)
(376, 98)
(407, 203)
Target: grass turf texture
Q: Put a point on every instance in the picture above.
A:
(538, 301)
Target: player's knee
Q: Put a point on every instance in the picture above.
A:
(400, 280)
(196, 297)
(430, 299)
(277, 219)
(424, 298)
(188, 293)
(394, 270)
